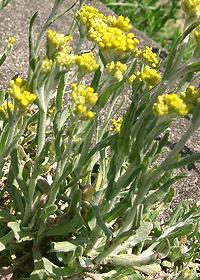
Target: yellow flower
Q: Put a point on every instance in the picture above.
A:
(116, 124)
(132, 78)
(19, 91)
(89, 16)
(150, 76)
(64, 59)
(116, 69)
(57, 40)
(84, 98)
(191, 7)
(46, 65)
(109, 33)
(11, 42)
(5, 107)
(114, 39)
(120, 22)
(86, 63)
(191, 97)
(170, 104)
(149, 56)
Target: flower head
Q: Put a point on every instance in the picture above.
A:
(170, 104)
(116, 124)
(64, 59)
(149, 57)
(11, 42)
(116, 70)
(84, 98)
(113, 39)
(191, 97)
(109, 33)
(46, 65)
(150, 76)
(57, 40)
(132, 78)
(120, 22)
(5, 108)
(20, 92)
(86, 63)
(89, 16)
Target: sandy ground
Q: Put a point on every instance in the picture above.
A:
(14, 20)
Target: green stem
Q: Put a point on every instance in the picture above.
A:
(41, 132)
(33, 179)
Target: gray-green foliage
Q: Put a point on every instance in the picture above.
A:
(3, 3)
(98, 213)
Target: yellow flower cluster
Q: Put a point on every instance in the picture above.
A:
(57, 40)
(120, 22)
(86, 63)
(107, 32)
(150, 76)
(19, 91)
(116, 69)
(46, 65)
(112, 38)
(170, 104)
(149, 56)
(64, 59)
(11, 42)
(191, 7)
(116, 124)
(89, 15)
(5, 107)
(59, 49)
(84, 98)
(132, 78)
(191, 97)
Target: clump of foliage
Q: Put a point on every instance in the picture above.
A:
(81, 189)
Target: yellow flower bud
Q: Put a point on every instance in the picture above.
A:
(19, 91)
(5, 108)
(149, 57)
(11, 42)
(86, 63)
(46, 65)
(150, 76)
(84, 98)
(116, 70)
(116, 124)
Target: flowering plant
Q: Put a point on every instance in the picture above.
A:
(83, 184)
